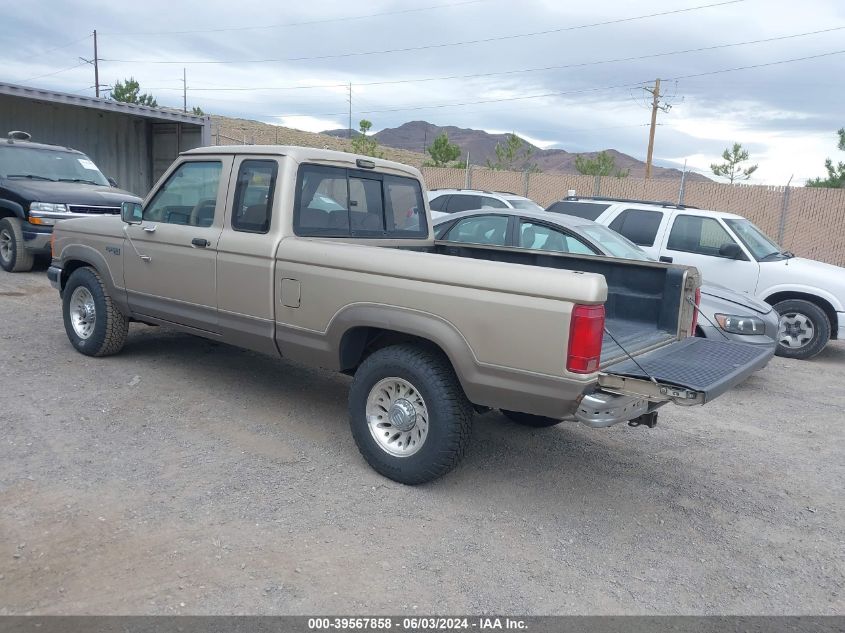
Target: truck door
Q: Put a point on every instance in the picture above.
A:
(170, 260)
(703, 242)
(246, 254)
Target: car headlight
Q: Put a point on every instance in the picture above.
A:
(748, 325)
(48, 207)
(37, 208)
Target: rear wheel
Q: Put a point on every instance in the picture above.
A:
(527, 419)
(804, 329)
(14, 257)
(93, 323)
(408, 414)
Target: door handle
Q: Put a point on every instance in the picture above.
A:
(199, 242)
(151, 229)
(663, 258)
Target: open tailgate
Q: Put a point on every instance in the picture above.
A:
(691, 371)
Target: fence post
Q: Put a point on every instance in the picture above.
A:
(468, 175)
(784, 209)
(597, 186)
(525, 179)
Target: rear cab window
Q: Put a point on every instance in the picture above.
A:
(252, 207)
(343, 202)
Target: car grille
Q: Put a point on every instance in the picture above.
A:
(81, 208)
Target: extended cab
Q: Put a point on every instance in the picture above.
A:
(328, 258)
(40, 185)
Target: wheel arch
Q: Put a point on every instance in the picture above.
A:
(824, 304)
(11, 209)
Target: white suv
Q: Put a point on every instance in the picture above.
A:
(729, 250)
(445, 201)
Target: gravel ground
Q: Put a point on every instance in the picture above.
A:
(183, 476)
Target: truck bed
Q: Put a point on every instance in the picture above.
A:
(644, 298)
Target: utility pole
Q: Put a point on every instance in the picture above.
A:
(96, 68)
(350, 110)
(184, 92)
(656, 105)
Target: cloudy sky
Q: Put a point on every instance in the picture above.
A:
(559, 73)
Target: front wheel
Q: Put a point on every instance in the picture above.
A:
(803, 331)
(408, 414)
(14, 257)
(93, 323)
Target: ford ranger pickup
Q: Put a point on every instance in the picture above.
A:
(328, 259)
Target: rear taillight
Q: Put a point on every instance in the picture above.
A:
(586, 330)
(695, 311)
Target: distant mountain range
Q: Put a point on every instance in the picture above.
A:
(417, 135)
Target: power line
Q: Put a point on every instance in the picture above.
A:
(79, 65)
(522, 70)
(56, 48)
(305, 23)
(579, 91)
(433, 46)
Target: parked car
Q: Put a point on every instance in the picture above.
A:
(445, 201)
(730, 250)
(40, 185)
(431, 333)
(725, 314)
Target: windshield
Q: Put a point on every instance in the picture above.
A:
(525, 205)
(48, 164)
(613, 243)
(761, 247)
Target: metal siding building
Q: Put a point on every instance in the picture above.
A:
(131, 143)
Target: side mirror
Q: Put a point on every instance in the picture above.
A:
(112, 181)
(131, 212)
(731, 250)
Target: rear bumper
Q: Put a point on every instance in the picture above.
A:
(841, 329)
(601, 409)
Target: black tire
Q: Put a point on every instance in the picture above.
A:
(449, 413)
(14, 257)
(527, 419)
(110, 325)
(793, 311)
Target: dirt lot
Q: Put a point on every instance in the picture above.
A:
(184, 476)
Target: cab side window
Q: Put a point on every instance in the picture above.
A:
(189, 196)
(340, 202)
(254, 196)
(695, 234)
(638, 225)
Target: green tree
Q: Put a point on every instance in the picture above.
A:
(366, 145)
(128, 91)
(197, 111)
(731, 168)
(835, 173)
(512, 154)
(442, 152)
(602, 165)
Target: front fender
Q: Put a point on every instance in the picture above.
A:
(92, 257)
(804, 289)
(14, 207)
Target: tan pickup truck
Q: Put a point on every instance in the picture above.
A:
(328, 259)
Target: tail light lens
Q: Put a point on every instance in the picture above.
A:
(586, 331)
(695, 311)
